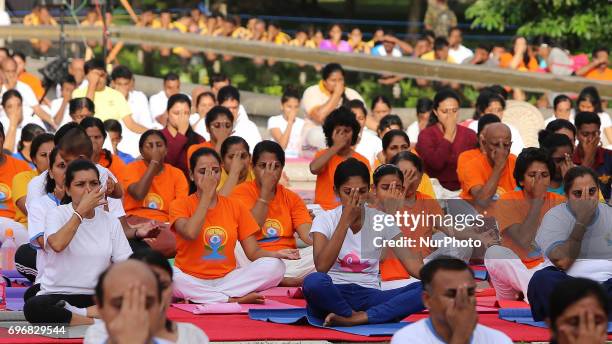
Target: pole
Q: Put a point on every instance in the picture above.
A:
(62, 45)
(104, 29)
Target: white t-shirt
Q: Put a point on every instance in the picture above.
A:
(187, 334)
(37, 221)
(246, 129)
(422, 332)
(595, 258)
(552, 118)
(413, 132)
(369, 145)
(294, 146)
(141, 114)
(358, 259)
(314, 96)
(97, 243)
(52, 110)
(379, 50)
(460, 54)
(158, 104)
(36, 188)
(27, 119)
(5, 19)
(517, 139)
(28, 96)
(199, 126)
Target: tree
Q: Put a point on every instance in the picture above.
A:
(583, 24)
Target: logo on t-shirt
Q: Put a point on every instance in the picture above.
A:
(5, 194)
(352, 263)
(215, 238)
(153, 201)
(271, 231)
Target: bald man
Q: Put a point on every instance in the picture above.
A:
(489, 174)
(128, 296)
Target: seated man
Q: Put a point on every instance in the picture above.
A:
(518, 214)
(159, 101)
(575, 238)
(229, 97)
(449, 294)
(489, 174)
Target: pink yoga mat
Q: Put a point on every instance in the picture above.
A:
(230, 308)
(294, 293)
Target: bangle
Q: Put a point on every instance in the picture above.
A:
(580, 224)
(263, 200)
(78, 215)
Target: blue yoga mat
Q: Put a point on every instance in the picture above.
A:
(523, 316)
(300, 316)
(481, 274)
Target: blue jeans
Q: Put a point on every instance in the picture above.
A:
(324, 297)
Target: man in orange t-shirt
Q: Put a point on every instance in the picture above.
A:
(489, 174)
(9, 167)
(341, 131)
(519, 214)
(598, 68)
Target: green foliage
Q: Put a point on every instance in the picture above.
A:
(582, 24)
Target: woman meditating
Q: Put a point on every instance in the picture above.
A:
(208, 226)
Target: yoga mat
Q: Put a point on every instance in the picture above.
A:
(300, 316)
(485, 292)
(15, 292)
(523, 316)
(11, 274)
(480, 274)
(294, 293)
(14, 304)
(229, 308)
(513, 304)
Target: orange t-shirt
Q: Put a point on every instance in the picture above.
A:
(34, 83)
(8, 170)
(595, 74)
(211, 256)
(506, 58)
(118, 167)
(167, 186)
(477, 171)
(195, 147)
(391, 268)
(286, 211)
(324, 189)
(513, 208)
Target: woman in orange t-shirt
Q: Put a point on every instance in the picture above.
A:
(208, 226)
(279, 212)
(95, 130)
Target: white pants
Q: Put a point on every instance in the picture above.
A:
(262, 274)
(463, 253)
(509, 275)
(293, 268)
(20, 233)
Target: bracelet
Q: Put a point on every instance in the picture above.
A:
(263, 200)
(77, 214)
(580, 224)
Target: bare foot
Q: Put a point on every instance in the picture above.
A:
(253, 298)
(357, 318)
(291, 282)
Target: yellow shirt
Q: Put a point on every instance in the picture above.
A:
(250, 177)
(430, 56)
(282, 38)
(110, 103)
(20, 189)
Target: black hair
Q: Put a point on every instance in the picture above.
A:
(351, 167)
(598, 49)
(357, 104)
(454, 28)
(408, 156)
(77, 166)
(485, 120)
(59, 134)
(340, 117)
(37, 142)
(68, 79)
(77, 104)
(50, 182)
(591, 95)
(154, 258)
(385, 170)
(440, 43)
(230, 141)
(215, 112)
(3, 137)
(171, 77)
(10, 94)
(583, 118)
(192, 137)
(484, 46)
(200, 152)
(559, 124)
(576, 172)
(551, 140)
(389, 120)
(380, 99)
(559, 99)
(485, 98)
(290, 93)
(95, 64)
(499, 90)
(121, 72)
(390, 135)
(91, 122)
(268, 146)
(330, 68)
(525, 54)
(113, 125)
(424, 105)
(228, 93)
(218, 77)
(429, 34)
(75, 142)
(205, 94)
(442, 95)
(148, 133)
(28, 133)
(527, 157)
(429, 270)
(570, 291)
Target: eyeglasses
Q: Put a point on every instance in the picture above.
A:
(218, 125)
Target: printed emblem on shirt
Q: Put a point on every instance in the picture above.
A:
(608, 238)
(271, 231)
(215, 238)
(352, 263)
(5, 194)
(153, 201)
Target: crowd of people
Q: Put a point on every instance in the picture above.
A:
(103, 177)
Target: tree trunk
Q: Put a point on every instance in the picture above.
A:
(415, 14)
(349, 8)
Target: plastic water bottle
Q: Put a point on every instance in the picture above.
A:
(7, 250)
